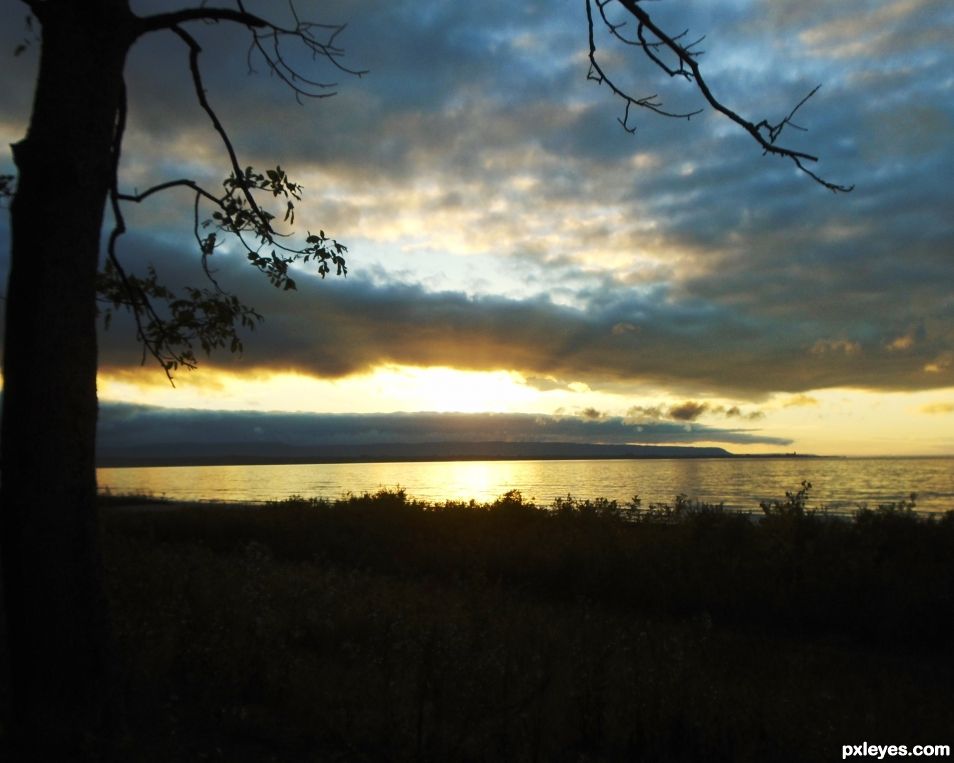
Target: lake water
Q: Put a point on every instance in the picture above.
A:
(741, 483)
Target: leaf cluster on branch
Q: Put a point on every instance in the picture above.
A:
(205, 317)
(168, 326)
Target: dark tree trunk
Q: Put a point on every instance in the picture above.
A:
(52, 584)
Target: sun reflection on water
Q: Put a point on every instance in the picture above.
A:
(741, 483)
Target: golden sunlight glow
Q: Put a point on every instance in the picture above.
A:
(385, 389)
(864, 423)
(825, 422)
(471, 478)
(447, 389)
(424, 217)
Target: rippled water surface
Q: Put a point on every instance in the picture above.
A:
(740, 483)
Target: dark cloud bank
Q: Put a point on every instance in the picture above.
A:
(773, 284)
(338, 327)
(133, 434)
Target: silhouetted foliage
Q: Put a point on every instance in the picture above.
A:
(56, 616)
(60, 652)
(377, 626)
(864, 575)
(211, 316)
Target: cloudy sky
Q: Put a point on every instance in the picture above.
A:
(513, 250)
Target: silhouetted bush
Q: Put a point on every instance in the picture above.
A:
(379, 627)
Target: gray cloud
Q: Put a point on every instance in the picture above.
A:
(679, 256)
(688, 411)
(937, 408)
(343, 326)
(734, 411)
(133, 426)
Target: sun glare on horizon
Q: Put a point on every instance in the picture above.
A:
(825, 422)
(386, 388)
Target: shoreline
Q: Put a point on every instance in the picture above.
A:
(134, 462)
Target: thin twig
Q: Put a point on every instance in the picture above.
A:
(763, 132)
(138, 301)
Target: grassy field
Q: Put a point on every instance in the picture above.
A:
(378, 628)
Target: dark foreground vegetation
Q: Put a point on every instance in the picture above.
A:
(378, 628)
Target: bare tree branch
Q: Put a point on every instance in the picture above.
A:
(175, 18)
(137, 300)
(318, 40)
(305, 34)
(686, 66)
(181, 183)
(209, 317)
(205, 318)
(194, 50)
(598, 75)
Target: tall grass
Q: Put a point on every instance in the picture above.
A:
(376, 627)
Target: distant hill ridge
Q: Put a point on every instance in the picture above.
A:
(194, 454)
